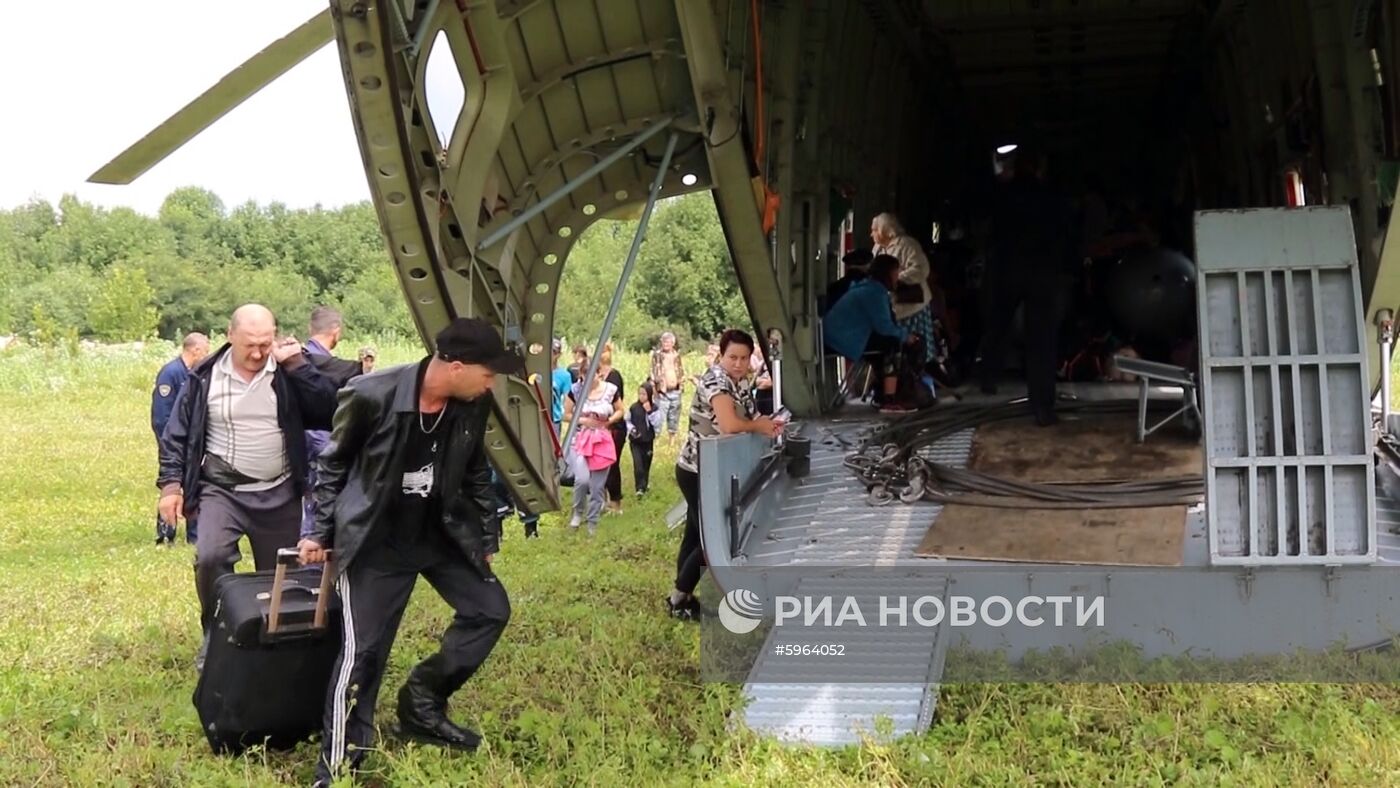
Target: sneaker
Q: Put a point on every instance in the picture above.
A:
(895, 407)
(575, 522)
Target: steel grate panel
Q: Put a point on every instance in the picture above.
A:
(1289, 478)
(1387, 525)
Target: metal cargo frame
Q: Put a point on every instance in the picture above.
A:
(1289, 473)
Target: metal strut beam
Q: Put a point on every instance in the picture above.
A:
(719, 106)
(627, 267)
(563, 191)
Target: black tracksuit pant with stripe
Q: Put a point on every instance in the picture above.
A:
(374, 592)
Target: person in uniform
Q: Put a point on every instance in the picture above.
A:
(169, 381)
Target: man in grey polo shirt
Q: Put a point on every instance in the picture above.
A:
(234, 450)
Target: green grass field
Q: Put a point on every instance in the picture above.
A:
(591, 684)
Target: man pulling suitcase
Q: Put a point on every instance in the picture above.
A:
(404, 488)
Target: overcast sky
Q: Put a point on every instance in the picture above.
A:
(86, 78)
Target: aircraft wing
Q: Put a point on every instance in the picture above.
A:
(235, 88)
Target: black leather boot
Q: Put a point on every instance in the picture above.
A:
(423, 714)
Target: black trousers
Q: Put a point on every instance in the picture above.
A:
(641, 463)
(690, 562)
(374, 592)
(1040, 297)
(614, 486)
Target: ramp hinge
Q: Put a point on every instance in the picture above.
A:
(1246, 581)
(1330, 578)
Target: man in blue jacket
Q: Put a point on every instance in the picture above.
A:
(169, 381)
(325, 328)
(861, 322)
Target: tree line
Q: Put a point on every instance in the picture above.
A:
(76, 270)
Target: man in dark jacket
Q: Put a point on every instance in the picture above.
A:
(169, 382)
(325, 327)
(403, 489)
(234, 450)
(1032, 248)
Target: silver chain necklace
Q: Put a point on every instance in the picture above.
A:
(427, 430)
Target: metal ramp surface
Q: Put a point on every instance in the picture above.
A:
(836, 700)
(825, 521)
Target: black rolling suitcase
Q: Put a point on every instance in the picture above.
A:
(274, 643)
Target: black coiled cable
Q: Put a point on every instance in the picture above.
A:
(891, 467)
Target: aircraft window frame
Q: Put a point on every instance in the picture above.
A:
(449, 142)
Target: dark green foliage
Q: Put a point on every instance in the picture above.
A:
(684, 280)
(117, 275)
(77, 269)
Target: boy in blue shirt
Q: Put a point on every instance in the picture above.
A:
(560, 382)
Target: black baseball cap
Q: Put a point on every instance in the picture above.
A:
(472, 340)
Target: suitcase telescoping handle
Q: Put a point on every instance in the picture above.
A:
(287, 556)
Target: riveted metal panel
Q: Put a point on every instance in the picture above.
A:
(1289, 477)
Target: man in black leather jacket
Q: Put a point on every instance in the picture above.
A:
(404, 488)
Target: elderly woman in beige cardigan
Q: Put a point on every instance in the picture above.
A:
(916, 317)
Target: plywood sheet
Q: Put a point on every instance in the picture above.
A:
(1124, 537)
(1101, 448)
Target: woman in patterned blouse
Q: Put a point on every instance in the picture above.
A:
(723, 405)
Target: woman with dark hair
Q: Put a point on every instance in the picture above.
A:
(643, 423)
(723, 405)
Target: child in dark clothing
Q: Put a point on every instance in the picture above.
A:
(643, 421)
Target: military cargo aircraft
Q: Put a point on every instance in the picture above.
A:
(1269, 130)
